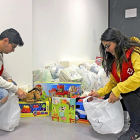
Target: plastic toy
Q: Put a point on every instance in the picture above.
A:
(80, 114)
(26, 109)
(43, 96)
(57, 89)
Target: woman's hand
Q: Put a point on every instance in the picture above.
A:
(112, 98)
(93, 94)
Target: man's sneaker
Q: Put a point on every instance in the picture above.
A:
(131, 134)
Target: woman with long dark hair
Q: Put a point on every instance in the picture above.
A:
(121, 62)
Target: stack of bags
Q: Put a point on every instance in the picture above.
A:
(91, 76)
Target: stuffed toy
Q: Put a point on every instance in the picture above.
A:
(32, 96)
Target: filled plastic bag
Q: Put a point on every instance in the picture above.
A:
(69, 74)
(98, 60)
(88, 78)
(26, 88)
(10, 113)
(55, 70)
(42, 75)
(105, 117)
(102, 78)
(95, 68)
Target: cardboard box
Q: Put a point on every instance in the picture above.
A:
(57, 89)
(63, 109)
(39, 109)
(60, 89)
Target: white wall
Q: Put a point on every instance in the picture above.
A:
(17, 14)
(62, 30)
(67, 30)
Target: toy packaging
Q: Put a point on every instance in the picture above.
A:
(63, 109)
(54, 89)
(39, 108)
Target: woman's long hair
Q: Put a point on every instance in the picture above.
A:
(123, 44)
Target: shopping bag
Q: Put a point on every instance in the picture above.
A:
(42, 75)
(26, 88)
(105, 117)
(70, 74)
(10, 113)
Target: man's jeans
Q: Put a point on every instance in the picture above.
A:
(3, 94)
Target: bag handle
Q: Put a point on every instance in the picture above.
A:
(85, 100)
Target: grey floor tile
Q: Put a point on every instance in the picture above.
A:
(42, 128)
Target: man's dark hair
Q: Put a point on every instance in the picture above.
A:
(13, 36)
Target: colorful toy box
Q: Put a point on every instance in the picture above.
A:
(55, 89)
(40, 108)
(63, 109)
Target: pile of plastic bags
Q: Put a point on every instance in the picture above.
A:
(91, 76)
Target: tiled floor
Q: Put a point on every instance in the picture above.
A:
(42, 128)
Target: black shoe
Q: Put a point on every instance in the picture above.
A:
(131, 134)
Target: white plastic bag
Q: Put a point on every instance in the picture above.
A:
(10, 113)
(55, 70)
(105, 117)
(26, 88)
(42, 75)
(102, 78)
(69, 74)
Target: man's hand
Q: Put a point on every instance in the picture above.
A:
(9, 80)
(93, 94)
(21, 93)
(112, 98)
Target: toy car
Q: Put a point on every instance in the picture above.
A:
(80, 111)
